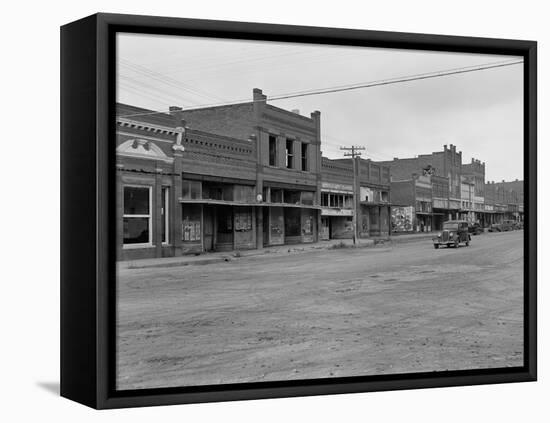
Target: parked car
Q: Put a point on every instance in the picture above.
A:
(495, 227)
(453, 234)
(519, 225)
(508, 225)
(475, 229)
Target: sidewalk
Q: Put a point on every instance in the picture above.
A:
(218, 257)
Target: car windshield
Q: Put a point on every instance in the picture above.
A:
(450, 226)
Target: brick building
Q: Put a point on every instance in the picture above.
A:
(231, 177)
(506, 199)
(426, 190)
(412, 209)
(474, 174)
(338, 195)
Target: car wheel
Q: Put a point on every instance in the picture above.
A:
(436, 246)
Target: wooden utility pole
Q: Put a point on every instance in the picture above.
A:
(354, 152)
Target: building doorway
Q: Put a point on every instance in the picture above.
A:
(224, 228)
(208, 225)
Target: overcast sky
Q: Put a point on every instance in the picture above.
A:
(480, 112)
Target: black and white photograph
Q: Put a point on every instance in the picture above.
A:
(290, 211)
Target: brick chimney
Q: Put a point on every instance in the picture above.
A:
(177, 114)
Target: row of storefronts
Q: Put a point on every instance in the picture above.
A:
(251, 175)
(188, 184)
(429, 189)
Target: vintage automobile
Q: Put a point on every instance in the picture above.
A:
(495, 227)
(508, 225)
(475, 228)
(454, 233)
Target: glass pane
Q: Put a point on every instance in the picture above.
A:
(195, 190)
(164, 214)
(136, 200)
(307, 198)
(185, 190)
(276, 195)
(272, 150)
(292, 197)
(136, 230)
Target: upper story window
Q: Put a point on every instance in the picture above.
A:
(324, 199)
(304, 157)
(272, 150)
(289, 154)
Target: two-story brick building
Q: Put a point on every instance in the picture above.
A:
(230, 177)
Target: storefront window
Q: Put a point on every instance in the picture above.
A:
(276, 195)
(191, 223)
(244, 193)
(307, 198)
(217, 191)
(137, 215)
(190, 190)
(292, 197)
(324, 199)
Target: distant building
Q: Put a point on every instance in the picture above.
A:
(426, 189)
(506, 199)
(338, 193)
(474, 174)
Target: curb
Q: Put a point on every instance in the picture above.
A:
(133, 265)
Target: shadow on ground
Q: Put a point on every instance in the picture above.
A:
(51, 387)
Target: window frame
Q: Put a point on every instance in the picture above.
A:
(270, 150)
(165, 194)
(149, 243)
(304, 151)
(289, 150)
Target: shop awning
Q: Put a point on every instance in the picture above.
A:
(247, 204)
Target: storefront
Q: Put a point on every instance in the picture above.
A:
(336, 212)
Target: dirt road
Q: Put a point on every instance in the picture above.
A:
(332, 313)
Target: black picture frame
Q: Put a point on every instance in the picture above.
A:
(87, 212)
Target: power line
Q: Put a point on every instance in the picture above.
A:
(330, 90)
(416, 77)
(166, 79)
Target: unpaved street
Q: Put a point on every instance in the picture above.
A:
(326, 313)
